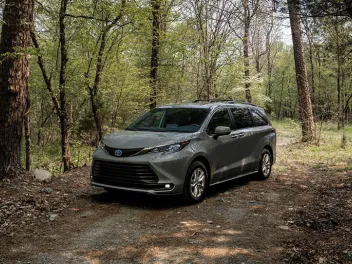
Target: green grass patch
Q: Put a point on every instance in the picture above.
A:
(333, 152)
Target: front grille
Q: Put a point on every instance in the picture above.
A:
(125, 175)
(125, 152)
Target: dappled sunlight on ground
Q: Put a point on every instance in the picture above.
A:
(168, 254)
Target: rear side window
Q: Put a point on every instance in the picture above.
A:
(258, 119)
(220, 118)
(242, 118)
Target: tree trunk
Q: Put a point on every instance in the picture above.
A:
(340, 118)
(154, 62)
(14, 77)
(339, 101)
(27, 137)
(245, 41)
(269, 66)
(93, 91)
(64, 122)
(304, 101)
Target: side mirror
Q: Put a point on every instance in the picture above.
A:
(221, 131)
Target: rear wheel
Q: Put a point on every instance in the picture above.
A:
(195, 182)
(265, 164)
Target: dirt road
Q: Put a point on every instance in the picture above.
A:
(245, 221)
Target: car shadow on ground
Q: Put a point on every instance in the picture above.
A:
(162, 202)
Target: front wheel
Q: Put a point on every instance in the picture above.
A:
(265, 164)
(195, 182)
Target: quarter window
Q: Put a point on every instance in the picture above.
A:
(220, 118)
(258, 119)
(242, 118)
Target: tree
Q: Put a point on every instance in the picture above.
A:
(100, 64)
(212, 24)
(245, 13)
(60, 104)
(305, 105)
(247, 19)
(64, 122)
(14, 77)
(154, 60)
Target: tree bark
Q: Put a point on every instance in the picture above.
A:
(93, 91)
(309, 35)
(247, 20)
(14, 77)
(304, 101)
(64, 122)
(340, 119)
(154, 61)
(27, 137)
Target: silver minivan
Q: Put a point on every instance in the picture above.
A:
(184, 149)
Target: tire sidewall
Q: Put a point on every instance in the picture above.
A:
(186, 189)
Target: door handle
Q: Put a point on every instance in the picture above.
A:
(238, 135)
(234, 135)
(241, 134)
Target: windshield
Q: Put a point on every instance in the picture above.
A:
(171, 120)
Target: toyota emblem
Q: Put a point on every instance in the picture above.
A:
(118, 153)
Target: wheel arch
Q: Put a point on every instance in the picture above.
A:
(270, 149)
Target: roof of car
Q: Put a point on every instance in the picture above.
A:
(209, 104)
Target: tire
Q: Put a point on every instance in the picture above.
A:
(265, 164)
(196, 182)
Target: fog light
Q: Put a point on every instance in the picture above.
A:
(167, 186)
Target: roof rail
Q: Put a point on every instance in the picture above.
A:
(230, 101)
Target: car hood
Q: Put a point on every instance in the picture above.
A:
(126, 139)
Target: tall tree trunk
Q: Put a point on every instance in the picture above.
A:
(93, 91)
(305, 105)
(309, 35)
(269, 65)
(14, 77)
(154, 61)
(339, 101)
(247, 19)
(64, 122)
(27, 137)
(340, 119)
(312, 70)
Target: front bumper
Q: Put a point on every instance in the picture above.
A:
(168, 168)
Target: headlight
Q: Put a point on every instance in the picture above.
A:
(169, 148)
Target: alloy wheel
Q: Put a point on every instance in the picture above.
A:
(266, 165)
(197, 182)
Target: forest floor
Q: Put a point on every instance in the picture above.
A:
(301, 214)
